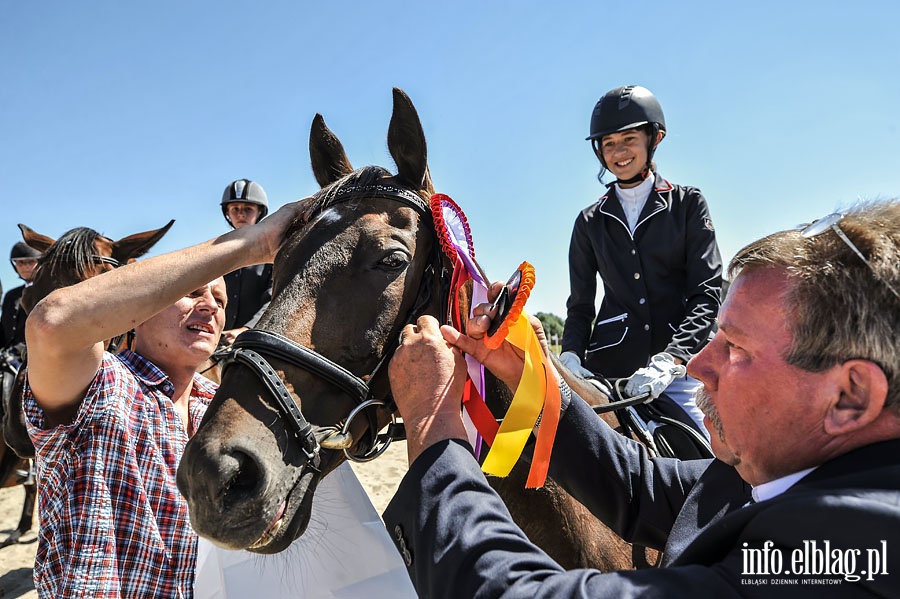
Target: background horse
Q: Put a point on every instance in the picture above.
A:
(362, 262)
(79, 254)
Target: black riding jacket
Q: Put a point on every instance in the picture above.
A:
(661, 285)
(12, 318)
(249, 293)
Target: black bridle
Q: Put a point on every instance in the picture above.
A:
(254, 348)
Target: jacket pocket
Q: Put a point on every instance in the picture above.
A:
(608, 333)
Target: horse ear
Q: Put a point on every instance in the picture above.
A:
(35, 240)
(406, 142)
(134, 246)
(329, 161)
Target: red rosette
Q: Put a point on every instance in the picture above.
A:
(451, 226)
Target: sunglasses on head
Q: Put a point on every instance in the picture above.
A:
(832, 222)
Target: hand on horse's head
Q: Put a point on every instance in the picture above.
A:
(265, 237)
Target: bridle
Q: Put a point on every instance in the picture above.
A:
(254, 348)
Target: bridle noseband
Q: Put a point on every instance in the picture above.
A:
(253, 348)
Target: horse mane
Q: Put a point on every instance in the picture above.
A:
(74, 248)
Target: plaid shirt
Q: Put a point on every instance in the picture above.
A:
(113, 523)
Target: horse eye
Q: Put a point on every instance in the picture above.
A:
(394, 260)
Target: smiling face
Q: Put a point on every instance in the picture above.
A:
(765, 415)
(185, 334)
(625, 153)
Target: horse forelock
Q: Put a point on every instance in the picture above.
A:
(368, 176)
(73, 251)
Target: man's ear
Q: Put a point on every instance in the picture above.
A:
(863, 389)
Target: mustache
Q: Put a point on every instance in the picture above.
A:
(704, 402)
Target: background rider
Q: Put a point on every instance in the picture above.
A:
(244, 202)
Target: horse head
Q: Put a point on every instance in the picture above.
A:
(308, 387)
(78, 254)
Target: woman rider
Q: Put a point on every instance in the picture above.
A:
(654, 247)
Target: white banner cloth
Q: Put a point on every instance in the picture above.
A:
(345, 553)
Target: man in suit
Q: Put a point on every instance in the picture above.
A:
(801, 393)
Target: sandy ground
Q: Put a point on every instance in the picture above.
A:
(379, 477)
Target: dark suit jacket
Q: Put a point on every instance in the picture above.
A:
(459, 541)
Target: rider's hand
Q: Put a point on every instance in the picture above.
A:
(228, 337)
(427, 379)
(571, 361)
(656, 377)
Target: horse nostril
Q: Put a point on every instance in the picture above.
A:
(245, 480)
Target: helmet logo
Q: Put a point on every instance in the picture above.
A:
(239, 189)
(625, 98)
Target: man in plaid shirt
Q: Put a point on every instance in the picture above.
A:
(109, 430)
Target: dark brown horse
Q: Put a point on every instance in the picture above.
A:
(78, 254)
(359, 265)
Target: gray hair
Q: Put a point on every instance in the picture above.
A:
(839, 310)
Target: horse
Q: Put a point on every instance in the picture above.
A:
(78, 254)
(300, 393)
(14, 470)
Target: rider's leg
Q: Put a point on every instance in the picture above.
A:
(681, 391)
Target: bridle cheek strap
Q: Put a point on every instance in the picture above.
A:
(302, 429)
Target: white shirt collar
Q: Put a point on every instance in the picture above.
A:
(776, 487)
(634, 198)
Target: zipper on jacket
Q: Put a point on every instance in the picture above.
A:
(621, 316)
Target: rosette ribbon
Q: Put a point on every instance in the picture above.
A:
(537, 398)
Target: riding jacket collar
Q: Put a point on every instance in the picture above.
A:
(657, 202)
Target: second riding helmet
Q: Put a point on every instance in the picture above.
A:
(247, 191)
(22, 250)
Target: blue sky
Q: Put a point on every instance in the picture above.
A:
(123, 115)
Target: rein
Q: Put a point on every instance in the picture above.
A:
(253, 348)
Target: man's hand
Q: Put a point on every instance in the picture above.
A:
(507, 361)
(267, 235)
(427, 379)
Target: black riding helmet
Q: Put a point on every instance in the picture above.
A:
(23, 250)
(245, 190)
(624, 108)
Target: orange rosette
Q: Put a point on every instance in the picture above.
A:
(519, 296)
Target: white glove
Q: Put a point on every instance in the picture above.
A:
(656, 377)
(571, 361)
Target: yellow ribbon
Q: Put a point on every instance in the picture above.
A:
(526, 405)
